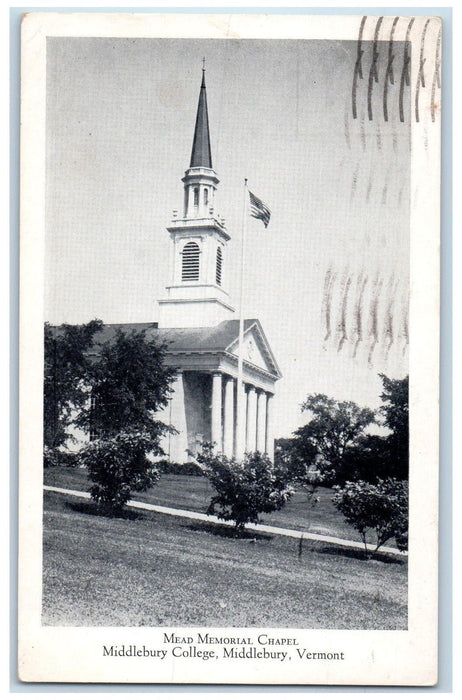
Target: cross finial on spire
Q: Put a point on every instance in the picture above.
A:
(203, 72)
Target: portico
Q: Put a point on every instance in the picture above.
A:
(203, 407)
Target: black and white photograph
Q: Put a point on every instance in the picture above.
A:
(229, 316)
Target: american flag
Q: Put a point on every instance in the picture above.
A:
(259, 210)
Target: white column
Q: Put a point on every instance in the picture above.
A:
(269, 427)
(228, 432)
(216, 412)
(251, 420)
(178, 443)
(240, 432)
(261, 421)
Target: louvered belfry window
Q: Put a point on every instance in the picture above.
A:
(219, 266)
(190, 263)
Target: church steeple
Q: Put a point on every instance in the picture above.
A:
(196, 295)
(200, 180)
(201, 155)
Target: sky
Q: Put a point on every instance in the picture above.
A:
(328, 278)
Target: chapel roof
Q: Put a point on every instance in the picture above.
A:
(213, 339)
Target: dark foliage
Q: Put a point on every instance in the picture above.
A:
(379, 457)
(186, 469)
(54, 458)
(129, 383)
(112, 391)
(325, 441)
(395, 409)
(118, 465)
(336, 445)
(67, 373)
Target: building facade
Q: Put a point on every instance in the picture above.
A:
(199, 328)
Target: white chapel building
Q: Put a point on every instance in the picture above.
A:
(198, 324)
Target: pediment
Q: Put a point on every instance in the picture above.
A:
(256, 351)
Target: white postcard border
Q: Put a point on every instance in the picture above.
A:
(75, 654)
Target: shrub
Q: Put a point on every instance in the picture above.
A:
(381, 507)
(186, 469)
(54, 458)
(118, 465)
(244, 489)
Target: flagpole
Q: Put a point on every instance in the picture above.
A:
(240, 417)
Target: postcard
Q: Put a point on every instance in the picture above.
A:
(229, 338)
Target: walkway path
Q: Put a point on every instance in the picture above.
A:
(213, 519)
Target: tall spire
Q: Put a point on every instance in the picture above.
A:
(196, 295)
(201, 155)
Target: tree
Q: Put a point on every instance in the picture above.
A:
(244, 489)
(335, 442)
(296, 456)
(366, 460)
(395, 409)
(66, 378)
(381, 507)
(129, 384)
(382, 456)
(336, 427)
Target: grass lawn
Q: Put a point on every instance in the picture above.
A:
(194, 493)
(158, 570)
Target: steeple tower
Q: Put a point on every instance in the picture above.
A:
(196, 297)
